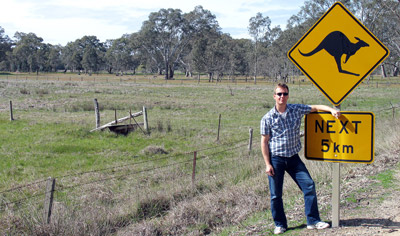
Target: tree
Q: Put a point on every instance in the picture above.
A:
(28, 53)
(167, 33)
(117, 56)
(86, 53)
(164, 35)
(258, 26)
(382, 19)
(204, 24)
(393, 40)
(92, 53)
(123, 54)
(54, 58)
(5, 48)
(211, 54)
(239, 56)
(68, 54)
(90, 60)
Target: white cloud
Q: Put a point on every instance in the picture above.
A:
(62, 21)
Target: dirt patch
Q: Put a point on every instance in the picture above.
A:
(367, 207)
(373, 211)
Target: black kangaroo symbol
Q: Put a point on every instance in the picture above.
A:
(337, 44)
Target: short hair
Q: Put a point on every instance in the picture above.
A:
(281, 85)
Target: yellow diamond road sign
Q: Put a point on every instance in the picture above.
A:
(337, 53)
(347, 139)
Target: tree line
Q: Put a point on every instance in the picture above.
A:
(193, 43)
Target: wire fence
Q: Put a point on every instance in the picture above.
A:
(182, 165)
(184, 169)
(119, 168)
(154, 79)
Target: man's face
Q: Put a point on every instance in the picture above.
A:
(280, 97)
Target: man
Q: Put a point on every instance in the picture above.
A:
(280, 144)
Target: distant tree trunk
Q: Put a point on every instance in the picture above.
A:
(255, 63)
(171, 72)
(383, 71)
(255, 71)
(188, 73)
(396, 69)
(210, 77)
(166, 70)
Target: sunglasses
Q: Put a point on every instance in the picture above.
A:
(280, 94)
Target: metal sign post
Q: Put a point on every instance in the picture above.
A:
(336, 192)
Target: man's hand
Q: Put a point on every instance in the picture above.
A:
(335, 113)
(270, 170)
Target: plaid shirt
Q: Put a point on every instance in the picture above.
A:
(284, 129)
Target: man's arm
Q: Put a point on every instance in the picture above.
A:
(265, 152)
(333, 111)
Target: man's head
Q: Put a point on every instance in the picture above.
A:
(281, 85)
(281, 94)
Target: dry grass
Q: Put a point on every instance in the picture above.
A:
(143, 185)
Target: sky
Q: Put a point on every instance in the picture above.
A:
(63, 21)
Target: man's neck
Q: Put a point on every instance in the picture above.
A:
(280, 108)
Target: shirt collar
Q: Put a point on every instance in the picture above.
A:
(276, 112)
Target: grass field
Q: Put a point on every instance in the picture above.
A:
(118, 185)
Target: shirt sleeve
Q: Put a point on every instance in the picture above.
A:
(303, 109)
(264, 127)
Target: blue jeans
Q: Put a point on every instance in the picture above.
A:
(299, 173)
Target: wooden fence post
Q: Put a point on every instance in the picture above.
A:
(392, 110)
(11, 112)
(48, 201)
(145, 122)
(194, 168)
(219, 126)
(250, 138)
(97, 113)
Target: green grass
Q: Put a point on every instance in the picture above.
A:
(51, 136)
(385, 179)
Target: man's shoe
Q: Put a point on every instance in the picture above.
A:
(319, 225)
(279, 230)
